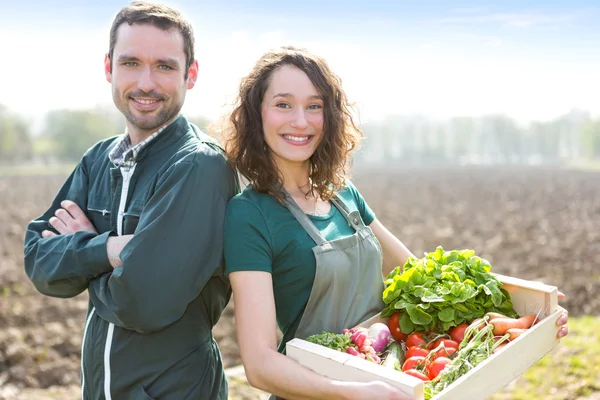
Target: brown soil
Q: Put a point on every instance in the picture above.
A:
(533, 223)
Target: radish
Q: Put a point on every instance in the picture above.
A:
(359, 338)
(352, 351)
(379, 334)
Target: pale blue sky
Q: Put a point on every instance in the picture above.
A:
(530, 60)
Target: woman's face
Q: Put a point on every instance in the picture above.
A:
(292, 116)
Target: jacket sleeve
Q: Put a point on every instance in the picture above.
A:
(176, 248)
(63, 265)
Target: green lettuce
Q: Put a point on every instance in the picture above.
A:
(442, 290)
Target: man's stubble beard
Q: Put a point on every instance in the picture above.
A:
(165, 113)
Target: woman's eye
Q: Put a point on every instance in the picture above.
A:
(283, 105)
(315, 106)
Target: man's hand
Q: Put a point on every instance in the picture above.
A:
(114, 247)
(69, 219)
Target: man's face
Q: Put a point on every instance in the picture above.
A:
(148, 76)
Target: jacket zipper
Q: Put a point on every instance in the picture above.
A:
(127, 174)
(109, 334)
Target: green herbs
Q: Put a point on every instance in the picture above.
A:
(332, 340)
(442, 290)
(477, 346)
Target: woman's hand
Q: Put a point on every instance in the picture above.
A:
(562, 320)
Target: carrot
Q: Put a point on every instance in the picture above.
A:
(515, 332)
(500, 347)
(478, 324)
(501, 325)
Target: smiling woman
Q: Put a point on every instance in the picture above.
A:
(292, 115)
(302, 247)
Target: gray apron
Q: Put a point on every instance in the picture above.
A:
(348, 285)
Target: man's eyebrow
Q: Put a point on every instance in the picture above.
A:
(171, 62)
(288, 95)
(125, 58)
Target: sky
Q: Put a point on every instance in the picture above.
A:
(533, 60)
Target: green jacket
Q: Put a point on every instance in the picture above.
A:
(148, 333)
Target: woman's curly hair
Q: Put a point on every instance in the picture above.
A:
(245, 143)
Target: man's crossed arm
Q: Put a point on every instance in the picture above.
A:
(71, 219)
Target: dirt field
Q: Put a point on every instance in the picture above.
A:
(540, 224)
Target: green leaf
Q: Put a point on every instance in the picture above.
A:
(447, 314)
(418, 315)
(406, 325)
(430, 296)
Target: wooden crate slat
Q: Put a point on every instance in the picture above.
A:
(499, 370)
(487, 378)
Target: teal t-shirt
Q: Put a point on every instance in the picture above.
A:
(261, 234)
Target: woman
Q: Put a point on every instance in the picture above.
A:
(302, 247)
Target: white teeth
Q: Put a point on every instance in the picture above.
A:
(296, 138)
(146, 101)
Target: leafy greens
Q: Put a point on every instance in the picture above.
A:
(442, 290)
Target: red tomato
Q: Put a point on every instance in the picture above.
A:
(416, 374)
(394, 326)
(416, 351)
(436, 367)
(458, 332)
(445, 352)
(416, 362)
(415, 339)
(447, 343)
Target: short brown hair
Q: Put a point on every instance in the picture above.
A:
(245, 143)
(160, 16)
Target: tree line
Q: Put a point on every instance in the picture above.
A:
(66, 134)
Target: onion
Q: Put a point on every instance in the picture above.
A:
(379, 334)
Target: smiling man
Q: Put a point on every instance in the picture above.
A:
(139, 225)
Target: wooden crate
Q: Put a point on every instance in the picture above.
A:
(487, 378)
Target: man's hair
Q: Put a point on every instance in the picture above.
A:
(245, 143)
(160, 16)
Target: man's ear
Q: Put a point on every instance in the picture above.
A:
(107, 69)
(192, 74)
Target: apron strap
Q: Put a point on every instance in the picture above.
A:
(353, 218)
(303, 219)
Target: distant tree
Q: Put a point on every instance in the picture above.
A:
(15, 137)
(505, 134)
(590, 138)
(463, 133)
(74, 131)
(201, 122)
(545, 137)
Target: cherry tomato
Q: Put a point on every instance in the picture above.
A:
(436, 367)
(447, 343)
(416, 362)
(415, 339)
(458, 332)
(416, 351)
(394, 326)
(445, 352)
(416, 374)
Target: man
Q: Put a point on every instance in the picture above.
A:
(139, 225)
